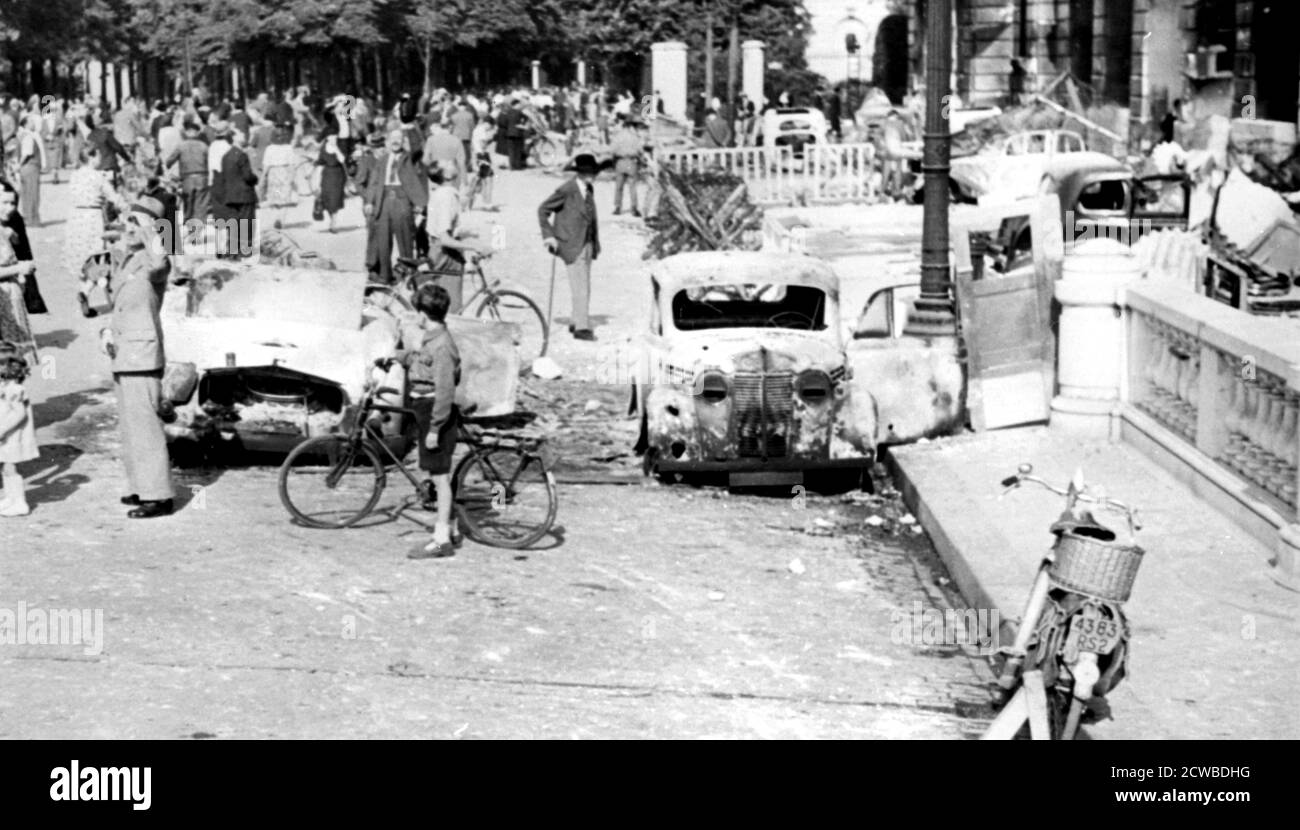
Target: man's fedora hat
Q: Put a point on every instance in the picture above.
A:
(585, 163)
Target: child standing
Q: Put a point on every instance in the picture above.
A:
(17, 429)
(433, 372)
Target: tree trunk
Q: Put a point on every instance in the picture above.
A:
(733, 67)
(379, 79)
(426, 56)
(708, 57)
(358, 77)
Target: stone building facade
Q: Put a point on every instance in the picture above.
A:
(1227, 57)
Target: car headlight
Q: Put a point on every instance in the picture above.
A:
(813, 386)
(712, 387)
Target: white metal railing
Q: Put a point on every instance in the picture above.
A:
(827, 173)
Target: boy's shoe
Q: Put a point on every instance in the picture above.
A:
(584, 334)
(618, 211)
(84, 302)
(131, 501)
(433, 550)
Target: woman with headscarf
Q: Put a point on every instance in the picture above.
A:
(19, 293)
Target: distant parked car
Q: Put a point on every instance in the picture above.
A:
(796, 128)
(1011, 168)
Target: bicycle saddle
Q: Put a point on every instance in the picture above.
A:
(1082, 524)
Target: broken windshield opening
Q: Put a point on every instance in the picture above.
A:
(800, 307)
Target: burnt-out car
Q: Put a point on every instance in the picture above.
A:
(743, 370)
(261, 357)
(748, 366)
(1100, 197)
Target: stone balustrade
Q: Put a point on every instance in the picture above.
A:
(1220, 389)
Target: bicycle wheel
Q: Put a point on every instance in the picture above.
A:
(505, 497)
(304, 180)
(514, 307)
(388, 298)
(546, 152)
(331, 482)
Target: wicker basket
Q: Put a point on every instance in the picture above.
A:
(1105, 570)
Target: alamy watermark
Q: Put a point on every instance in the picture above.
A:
(84, 627)
(1125, 231)
(920, 626)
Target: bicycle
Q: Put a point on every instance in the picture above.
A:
(489, 301)
(505, 495)
(306, 181)
(544, 150)
(1071, 647)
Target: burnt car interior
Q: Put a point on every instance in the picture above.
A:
(270, 399)
(799, 307)
(1105, 195)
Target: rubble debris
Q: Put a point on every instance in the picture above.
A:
(707, 211)
(797, 567)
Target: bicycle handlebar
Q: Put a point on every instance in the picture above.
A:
(1023, 474)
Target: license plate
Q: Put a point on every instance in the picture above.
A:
(1093, 634)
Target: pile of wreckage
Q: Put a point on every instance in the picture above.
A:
(707, 211)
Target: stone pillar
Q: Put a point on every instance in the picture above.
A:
(668, 73)
(582, 72)
(537, 74)
(1090, 352)
(752, 67)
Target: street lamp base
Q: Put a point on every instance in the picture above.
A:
(931, 318)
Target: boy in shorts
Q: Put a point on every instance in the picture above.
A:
(433, 372)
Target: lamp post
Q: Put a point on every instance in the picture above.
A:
(932, 313)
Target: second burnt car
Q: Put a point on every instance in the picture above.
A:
(744, 369)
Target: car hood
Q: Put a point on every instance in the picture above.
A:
(258, 315)
(743, 350)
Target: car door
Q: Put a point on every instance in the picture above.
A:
(901, 388)
(1161, 202)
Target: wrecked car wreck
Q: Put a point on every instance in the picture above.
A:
(262, 357)
(744, 370)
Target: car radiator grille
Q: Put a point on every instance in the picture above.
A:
(763, 411)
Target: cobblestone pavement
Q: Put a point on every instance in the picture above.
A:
(654, 611)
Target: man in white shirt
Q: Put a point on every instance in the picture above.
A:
(218, 149)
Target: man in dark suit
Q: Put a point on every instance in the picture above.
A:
(573, 236)
(394, 195)
(134, 342)
(235, 200)
(192, 158)
(515, 124)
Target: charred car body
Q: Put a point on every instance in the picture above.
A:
(744, 370)
(262, 357)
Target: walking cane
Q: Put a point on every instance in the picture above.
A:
(550, 298)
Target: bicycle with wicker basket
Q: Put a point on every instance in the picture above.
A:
(1072, 645)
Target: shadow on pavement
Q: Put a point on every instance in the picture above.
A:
(63, 407)
(57, 339)
(47, 477)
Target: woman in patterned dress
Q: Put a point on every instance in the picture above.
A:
(91, 189)
(14, 325)
(277, 167)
